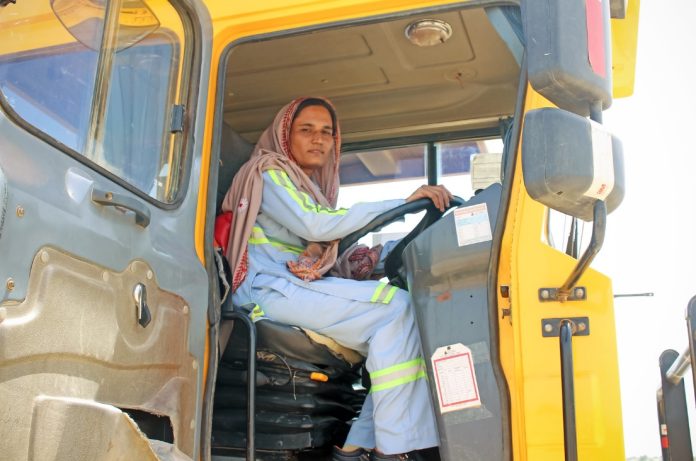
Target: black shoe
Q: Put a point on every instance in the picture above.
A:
(428, 454)
(356, 455)
(375, 456)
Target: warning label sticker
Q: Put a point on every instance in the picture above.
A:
(455, 378)
(472, 224)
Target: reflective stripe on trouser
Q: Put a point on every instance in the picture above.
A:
(402, 419)
(397, 375)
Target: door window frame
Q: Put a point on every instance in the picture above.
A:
(183, 93)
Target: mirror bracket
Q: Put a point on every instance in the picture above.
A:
(568, 291)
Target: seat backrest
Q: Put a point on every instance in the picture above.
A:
(234, 151)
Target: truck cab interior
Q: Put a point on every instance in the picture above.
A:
(417, 96)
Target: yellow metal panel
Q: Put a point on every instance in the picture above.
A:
(531, 362)
(254, 18)
(32, 26)
(26, 27)
(624, 39)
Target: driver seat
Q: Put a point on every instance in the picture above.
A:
(305, 395)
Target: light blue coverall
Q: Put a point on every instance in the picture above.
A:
(371, 317)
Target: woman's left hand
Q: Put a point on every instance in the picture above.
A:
(438, 194)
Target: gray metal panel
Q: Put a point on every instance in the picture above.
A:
(448, 285)
(3, 200)
(54, 191)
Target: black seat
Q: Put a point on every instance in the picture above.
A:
(304, 393)
(234, 151)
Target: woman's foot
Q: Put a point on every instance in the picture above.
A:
(377, 456)
(428, 454)
(358, 454)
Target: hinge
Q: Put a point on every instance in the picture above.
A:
(177, 125)
(505, 293)
(556, 294)
(552, 327)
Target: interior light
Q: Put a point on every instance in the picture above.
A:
(428, 32)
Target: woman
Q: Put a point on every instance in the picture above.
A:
(284, 243)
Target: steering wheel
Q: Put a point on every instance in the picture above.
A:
(393, 265)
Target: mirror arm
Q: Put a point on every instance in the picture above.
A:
(599, 225)
(596, 111)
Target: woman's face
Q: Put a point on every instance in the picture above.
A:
(311, 138)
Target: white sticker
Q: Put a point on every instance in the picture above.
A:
(472, 224)
(602, 164)
(455, 378)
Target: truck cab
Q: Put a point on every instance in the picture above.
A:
(122, 124)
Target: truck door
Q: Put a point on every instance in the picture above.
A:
(103, 299)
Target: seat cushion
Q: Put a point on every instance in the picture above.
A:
(293, 342)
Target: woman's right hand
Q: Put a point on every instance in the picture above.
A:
(439, 195)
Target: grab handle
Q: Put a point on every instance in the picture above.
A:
(106, 198)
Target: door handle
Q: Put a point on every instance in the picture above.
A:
(106, 198)
(142, 311)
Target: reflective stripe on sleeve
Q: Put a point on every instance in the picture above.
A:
(397, 375)
(383, 296)
(258, 237)
(301, 198)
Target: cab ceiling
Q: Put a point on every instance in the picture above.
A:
(383, 86)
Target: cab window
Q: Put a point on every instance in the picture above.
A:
(104, 93)
(395, 172)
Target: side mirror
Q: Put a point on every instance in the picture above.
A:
(569, 52)
(569, 162)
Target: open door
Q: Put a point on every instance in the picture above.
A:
(104, 300)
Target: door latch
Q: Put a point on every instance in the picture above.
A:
(143, 312)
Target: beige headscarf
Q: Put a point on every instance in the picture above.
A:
(244, 196)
